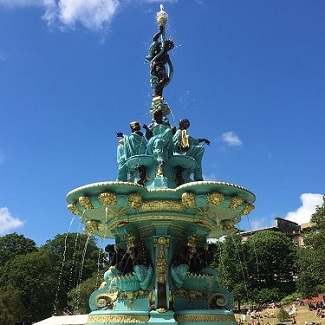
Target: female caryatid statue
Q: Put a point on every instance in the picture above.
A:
(160, 135)
(184, 144)
(129, 146)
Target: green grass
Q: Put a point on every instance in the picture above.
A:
(303, 315)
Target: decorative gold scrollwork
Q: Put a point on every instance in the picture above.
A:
(124, 319)
(205, 318)
(188, 294)
(161, 205)
(106, 301)
(161, 263)
(217, 300)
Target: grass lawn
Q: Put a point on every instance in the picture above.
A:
(303, 314)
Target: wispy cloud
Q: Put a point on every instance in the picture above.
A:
(7, 222)
(92, 14)
(260, 223)
(95, 15)
(210, 177)
(231, 139)
(309, 201)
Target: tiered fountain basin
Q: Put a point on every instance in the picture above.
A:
(170, 224)
(105, 206)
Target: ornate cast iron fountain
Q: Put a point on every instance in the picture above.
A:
(160, 212)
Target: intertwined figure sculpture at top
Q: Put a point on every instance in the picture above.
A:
(161, 68)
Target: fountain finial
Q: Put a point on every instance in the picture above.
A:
(162, 16)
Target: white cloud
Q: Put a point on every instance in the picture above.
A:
(7, 222)
(210, 177)
(92, 14)
(308, 207)
(259, 223)
(231, 139)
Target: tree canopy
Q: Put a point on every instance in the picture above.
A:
(12, 245)
(311, 257)
(35, 282)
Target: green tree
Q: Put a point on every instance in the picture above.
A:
(233, 268)
(77, 256)
(37, 277)
(266, 295)
(78, 297)
(311, 257)
(12, 245)
(11, 307)
(271, 261)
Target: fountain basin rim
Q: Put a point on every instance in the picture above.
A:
(125, 188)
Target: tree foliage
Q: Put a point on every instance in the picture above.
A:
(233, 268)
(12, 245)
(78, 297)
(77, 257)
(282, 315)
(36, 275)
(11, 306)
(271, 260)
(35, 282)
(311, 257)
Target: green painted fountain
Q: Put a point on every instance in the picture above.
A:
(160, 212)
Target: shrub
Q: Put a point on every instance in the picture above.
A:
(282, 315)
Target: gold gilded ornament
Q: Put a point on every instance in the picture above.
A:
(73, 208)
(124, 319)
(215, 198)
(91, 225)
(188, 199)
(107, 198)
(162, 16)
(161, 263)
(236, 202)
(161, 205)
(204, 318)
(184, 140)
(85, 202)
(248, 209)
(227, 224)
(135, 200)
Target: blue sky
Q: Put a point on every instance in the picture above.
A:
(248, 74)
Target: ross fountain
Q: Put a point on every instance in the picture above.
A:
(160, 213)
